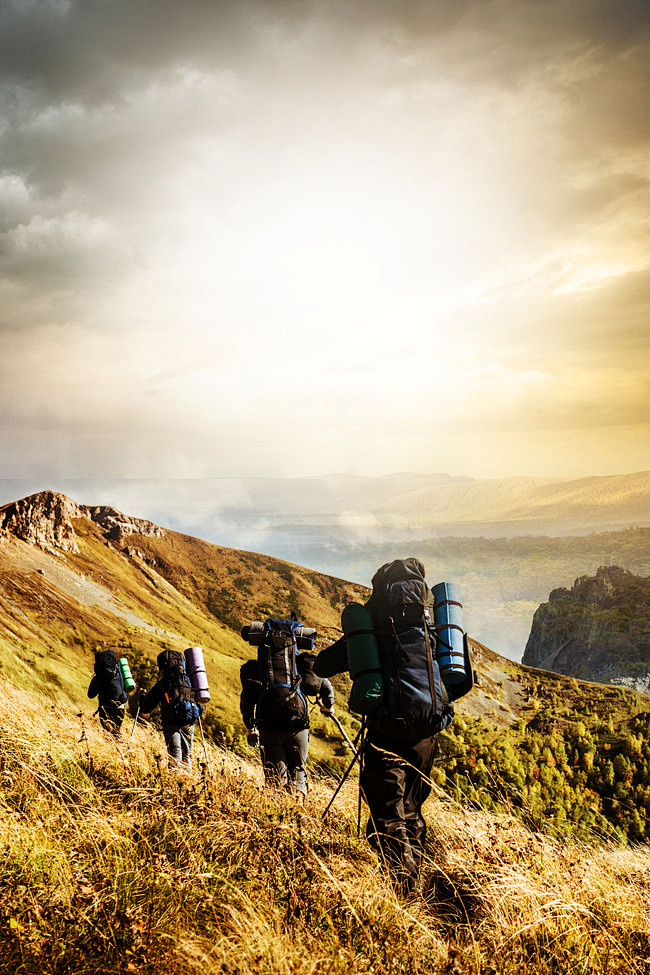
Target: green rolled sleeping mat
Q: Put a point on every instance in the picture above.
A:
(129, 683)
(363, 659)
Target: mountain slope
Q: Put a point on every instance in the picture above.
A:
(92, 575)
(80, 581)
(543, 746)
(141, 590)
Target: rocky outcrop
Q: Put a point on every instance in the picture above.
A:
(118, 526)
(598, 630)
(46, 519)
(43, 519)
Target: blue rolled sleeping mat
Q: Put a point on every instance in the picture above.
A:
(452, 653)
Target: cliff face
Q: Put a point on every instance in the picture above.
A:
(598, 630)
(43, 519)
(46, 520)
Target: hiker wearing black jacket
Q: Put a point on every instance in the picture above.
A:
(179, 711)
(395, 784)
(284, 750)
(107, 685)
(398, 753)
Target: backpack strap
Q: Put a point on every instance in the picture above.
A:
(432, 680)
(448, 626)
(398, 647)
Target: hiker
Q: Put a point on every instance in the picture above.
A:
(179, 711)
(107, 684)
(273, 703)
(400, 745)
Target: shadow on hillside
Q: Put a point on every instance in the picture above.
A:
(453, 904)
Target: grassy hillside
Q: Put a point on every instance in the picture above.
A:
(143, 596)
(110, 863)
(522, 738)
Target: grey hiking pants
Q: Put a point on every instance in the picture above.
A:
(284, 757)
(179, 743)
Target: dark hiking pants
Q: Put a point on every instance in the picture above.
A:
(395, 783)
(284, 756)
(111, 718)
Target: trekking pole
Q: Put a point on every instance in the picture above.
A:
(342, 730)
(363, 738)
(205, 749)
(137, 715)
(345, 775)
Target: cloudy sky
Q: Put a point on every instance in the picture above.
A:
(306, 236)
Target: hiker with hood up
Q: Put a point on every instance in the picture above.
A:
(413, 707)
(107, 684)
(274, 708)
(179, 711)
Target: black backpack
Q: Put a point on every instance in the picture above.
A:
(109, 678)
(401, 607)
(311, 682)
(281, 705)
(177, 704)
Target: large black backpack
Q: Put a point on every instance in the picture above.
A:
(177, 704)
(109, 679)
(281, 705)
(401, 607)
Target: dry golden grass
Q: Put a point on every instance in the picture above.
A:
(112, 863)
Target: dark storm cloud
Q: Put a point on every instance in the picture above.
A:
(63, 61)
(92, 49)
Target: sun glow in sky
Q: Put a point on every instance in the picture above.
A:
(294, 238)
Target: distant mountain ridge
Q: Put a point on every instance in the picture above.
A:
(598, 630)
(519, 506)
(279, 515)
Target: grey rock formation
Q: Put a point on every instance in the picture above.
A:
(43, 519)
(46, 519)
(598, 630)
(118, 526)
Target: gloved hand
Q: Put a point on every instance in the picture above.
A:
(253, 738)
(324, 710)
